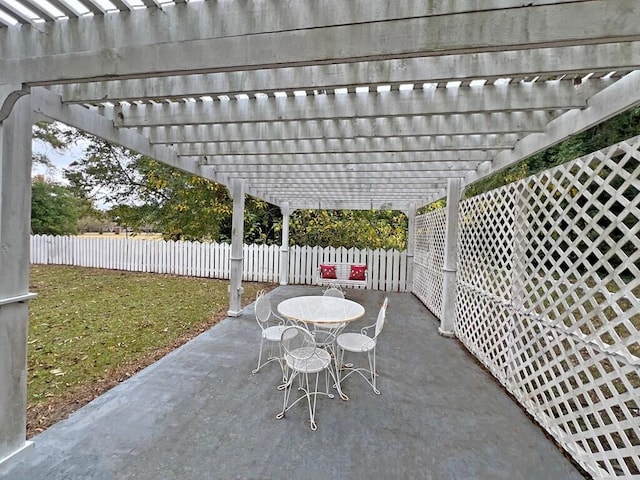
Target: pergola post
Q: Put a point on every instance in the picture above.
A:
(284, 248)
(411, 244)
(449, 271)
(237, 241)
(15, 211)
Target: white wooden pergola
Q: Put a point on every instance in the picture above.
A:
(327, 104)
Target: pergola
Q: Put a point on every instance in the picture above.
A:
(307, 104)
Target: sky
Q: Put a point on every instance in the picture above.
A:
(60, 160)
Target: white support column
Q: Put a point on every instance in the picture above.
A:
(15, 212)
(237, 243)
(449, 272)
(411, 244)
(284, 248)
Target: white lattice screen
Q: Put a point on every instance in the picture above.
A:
(548, 299)
(429, 259)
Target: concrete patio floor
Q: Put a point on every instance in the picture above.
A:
(199, 413)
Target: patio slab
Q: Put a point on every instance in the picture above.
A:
(199, 413)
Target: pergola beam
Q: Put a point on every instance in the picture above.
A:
(530, 64)
(621, 96)
(342, 194)
(433, 101)
(436, 125)
(446, 144)
(335, 176)
(340, 190)
(366, 161)
(144, 43)
(360, 205)
(275, 15)
(327, 186)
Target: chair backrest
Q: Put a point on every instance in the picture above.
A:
(263, 309)
(298, 343)
(333, 292)
(381, 317)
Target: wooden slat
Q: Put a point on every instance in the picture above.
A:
(7, 8)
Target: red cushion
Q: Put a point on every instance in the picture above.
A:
(357, 272)
(328, 271)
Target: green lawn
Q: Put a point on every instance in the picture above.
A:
(87, 323)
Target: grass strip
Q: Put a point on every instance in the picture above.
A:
(90, 328)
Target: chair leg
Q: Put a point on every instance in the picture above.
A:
(372, 369)
(312, 409)
(304, 386)
(339, 365)
(368, 374)
(287, 393)
(257, 369)
(272, 357)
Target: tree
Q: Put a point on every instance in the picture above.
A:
(145, 192)
(349, 228)
(53, 209)
(262, 222)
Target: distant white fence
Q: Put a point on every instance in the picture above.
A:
(387, 269)
(548, 289)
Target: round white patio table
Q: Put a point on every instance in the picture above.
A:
(319, 309)
(324, 311)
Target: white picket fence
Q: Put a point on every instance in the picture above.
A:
(387, 269)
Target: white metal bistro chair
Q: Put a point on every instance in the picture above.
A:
(333, 291)
(303, 358)
(361, 343)
(272, 327)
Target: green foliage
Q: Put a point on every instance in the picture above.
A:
(438, 204)
(185, 206)
(146, 192)
(614, 130)
(87, 323)
(53, 209)
(349, 228)
(262, 222)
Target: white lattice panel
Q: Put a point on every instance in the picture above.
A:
(576, 290)
(485, 246)
(429, 259)
(548, 288)
(487, 329)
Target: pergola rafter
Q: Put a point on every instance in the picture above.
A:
(442, 144)
(578, 61)
(550, 96)
(475, 124)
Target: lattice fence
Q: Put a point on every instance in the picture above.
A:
(429, 259)
(548, 300)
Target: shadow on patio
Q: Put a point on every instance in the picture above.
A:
(199, 413)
